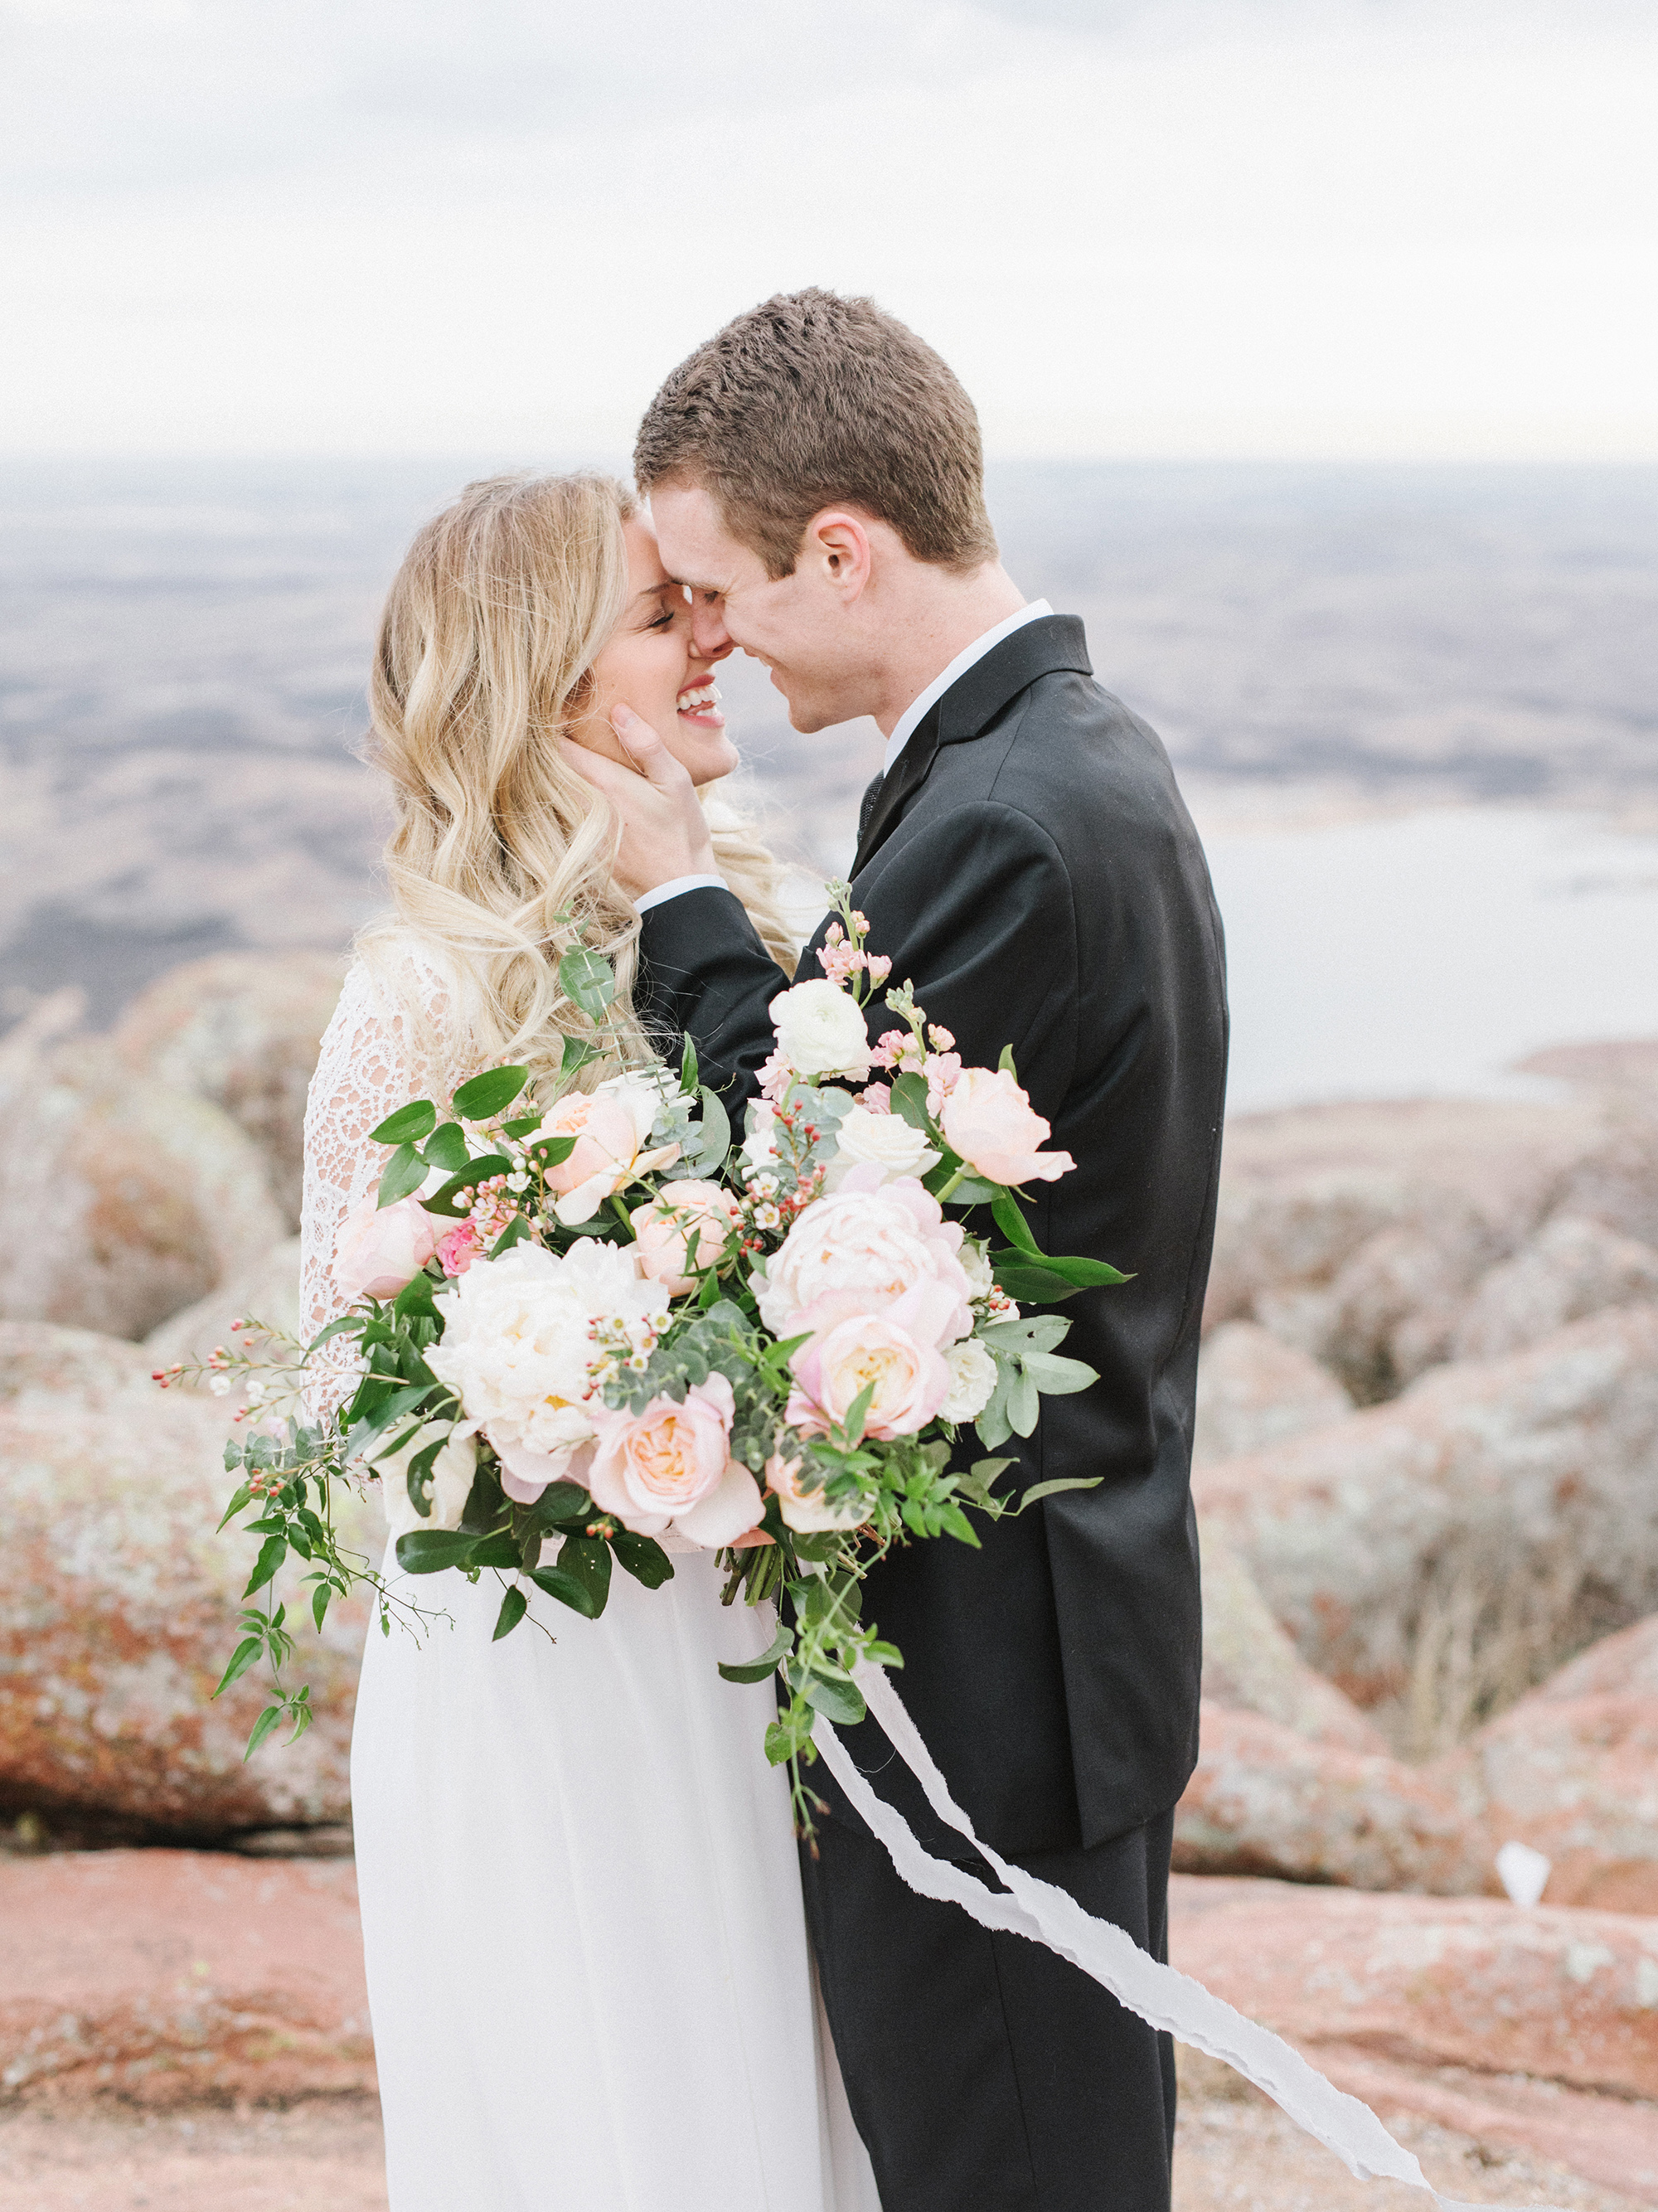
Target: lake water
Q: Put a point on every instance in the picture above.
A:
(1406, 704)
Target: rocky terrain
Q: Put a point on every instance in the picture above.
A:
(1427, 1440)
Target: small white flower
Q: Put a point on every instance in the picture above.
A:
(821, 1030)
(452, 1471)
(886, 1141)
(975, 1266)
(972, 1380)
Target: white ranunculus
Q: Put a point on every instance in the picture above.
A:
(516, 1345)
(821, 1030)
(885, 1141)
(452, 1471)
(972, 1380)
(975, 1266)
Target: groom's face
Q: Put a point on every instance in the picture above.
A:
(796, 624)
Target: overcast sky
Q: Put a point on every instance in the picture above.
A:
(1250, 228)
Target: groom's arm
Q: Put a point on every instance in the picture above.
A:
(974, 910)
(706, 976)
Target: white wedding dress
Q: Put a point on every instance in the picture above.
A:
(587, 1961)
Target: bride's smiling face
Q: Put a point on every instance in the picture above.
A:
(651, 663)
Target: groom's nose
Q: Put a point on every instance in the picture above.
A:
(710, 639)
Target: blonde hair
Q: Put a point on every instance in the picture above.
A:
(501, 855)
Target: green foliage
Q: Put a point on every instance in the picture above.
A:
(407, 1126)
(587, 978)
(405, 1172)
(490, 1094)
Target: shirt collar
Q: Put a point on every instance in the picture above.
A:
(904, 727)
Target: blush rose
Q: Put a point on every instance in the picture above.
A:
(684, 1227)
(909, 1381)
(992, 1126)
(381, 1248)
(671, 1465)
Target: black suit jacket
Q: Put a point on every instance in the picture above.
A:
(1030, 867)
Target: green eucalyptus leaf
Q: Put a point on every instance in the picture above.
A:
(758, 1670)
(240, 1660)
(909, 1099)
(407, 1126)
(447, 1149)
(1056, 1377)
(1039, 1490)
(405, 1172)
(587, 1559)
(1024, 1405)
(491, 1093)
(643, 1557)
(588, 979)
(514, 1607)
(565, 1587)
(429, 1551)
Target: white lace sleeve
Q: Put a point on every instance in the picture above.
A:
(365, 1070)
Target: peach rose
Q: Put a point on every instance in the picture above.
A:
(684, 1226)
(990, 1123)
(870, 1248)
(458, 1247)
(805, 1511)
(610, 1126)
(910, 1381)
(381, 1248)
(672, 1463)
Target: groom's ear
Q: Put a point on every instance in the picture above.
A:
(836, 550)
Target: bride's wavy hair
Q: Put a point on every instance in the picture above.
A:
(502, 854)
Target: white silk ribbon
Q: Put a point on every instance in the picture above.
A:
(1159, 1994)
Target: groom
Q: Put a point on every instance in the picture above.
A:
(815, 477)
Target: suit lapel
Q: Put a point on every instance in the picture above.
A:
(908, 773)
(970, 705)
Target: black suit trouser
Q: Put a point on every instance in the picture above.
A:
(985, 2073)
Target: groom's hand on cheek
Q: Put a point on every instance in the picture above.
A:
(664, 832)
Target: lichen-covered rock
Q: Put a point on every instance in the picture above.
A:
(1616, 1183)
(1546, 1456)
(121, 1200)
(1302, 1190)
(1249, 1664)
(165, 1978)
(1572, 1769)
(1254, 1390)
(242, 1029)
(1435, 2005)
(39, 1360)
(1266, 1800)
(1572, 1268)
(1391, 1312)
(120, 1611)
(268, 1291)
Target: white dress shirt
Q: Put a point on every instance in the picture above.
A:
(903, 730)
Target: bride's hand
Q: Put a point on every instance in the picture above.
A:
(664, 832)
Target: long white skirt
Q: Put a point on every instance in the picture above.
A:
(587, 1960)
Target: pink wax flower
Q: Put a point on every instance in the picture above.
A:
(381, 1248)
(990, 1123)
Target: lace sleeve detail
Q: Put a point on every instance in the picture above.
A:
(366, 1069)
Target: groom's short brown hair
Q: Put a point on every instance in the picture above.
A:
(811, 400)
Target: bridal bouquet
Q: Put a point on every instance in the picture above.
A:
(588, 1327)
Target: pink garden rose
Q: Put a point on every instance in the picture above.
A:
(805, 1510)
(990, 1123)
(610, 1126)
(666, 1228)
(672, 1463)
(910, 1381)
(381, 1248)
(870, 1248)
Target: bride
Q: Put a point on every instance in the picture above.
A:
(586, 1953)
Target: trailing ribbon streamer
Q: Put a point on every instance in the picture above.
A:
(1159, 1994)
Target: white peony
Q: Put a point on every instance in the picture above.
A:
(885, 1250)
(452, 1471)
(516, 1345)
(975, 1266)
(972, 1380)
(821, 1030)
(885, 1141)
